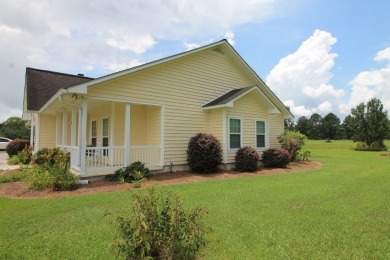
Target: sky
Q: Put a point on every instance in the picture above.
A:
(317, 56)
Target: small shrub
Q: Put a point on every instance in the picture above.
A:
(303, 155)
(276, 157)
(247, 159)
(158, 227)
(23, 157)
(361, 146)
(41, 179)
(134, 172)
(57, 178)
(292, 141)
(376, 146)
(14, 176)
(16, 146)
(204, 153)
(54, 157)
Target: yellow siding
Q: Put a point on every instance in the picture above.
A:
(153, 125)
(182, 86)
(248, 109)
(276, 128)
(47, 131)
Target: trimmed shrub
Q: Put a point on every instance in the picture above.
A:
(247, 159)
(16, 146)
(375, 146)
(276, 157)
(361, 146)
(204, 153)
(292, 141)
(54, 157)
(134, 172)
(158, 227)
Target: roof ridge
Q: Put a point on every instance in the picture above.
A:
(59, 73)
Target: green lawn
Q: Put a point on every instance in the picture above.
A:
(341, 211)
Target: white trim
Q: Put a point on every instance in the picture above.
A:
(162, 135)
(83, 87)
(127, 133)
(241, 131)
(123, 101)
(112, 124)
(73, 128)
(65, 127)
(83, 143)
(224, 137)
(51, 100)
(90, 131)
(58, 126)
(266, 135)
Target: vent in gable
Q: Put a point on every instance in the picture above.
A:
(218, 50)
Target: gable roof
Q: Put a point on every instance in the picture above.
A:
(227, 97)
(42, 85)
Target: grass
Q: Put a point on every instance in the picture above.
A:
(340, 211)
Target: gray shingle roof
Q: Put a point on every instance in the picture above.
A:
(229, 96)
(41, 85)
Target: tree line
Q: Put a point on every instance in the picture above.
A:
(367, 122)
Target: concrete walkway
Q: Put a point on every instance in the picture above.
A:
(3, 162)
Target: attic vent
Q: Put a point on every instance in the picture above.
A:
(218, 50)
(81, 75)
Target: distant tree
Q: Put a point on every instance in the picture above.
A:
(289, 124)
(345, 131)
(314, 131)
(14, 127)
(330, 126)
(370, 122)
(302, 125)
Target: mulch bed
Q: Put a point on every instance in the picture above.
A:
(21, 190)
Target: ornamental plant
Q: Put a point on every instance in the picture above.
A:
(247, 159)
(204, 153)
(276, 157)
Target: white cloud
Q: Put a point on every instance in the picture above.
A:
(304, 76)
(229, 36)
(370, 84)
(383, 55)
(104, 36)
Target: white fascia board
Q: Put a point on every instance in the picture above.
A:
(229, 104)
(52, 99)
(84, 86)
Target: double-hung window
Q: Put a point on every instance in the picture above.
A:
(93, 132)
(260, 134)
(235, 133)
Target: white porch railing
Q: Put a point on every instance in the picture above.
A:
(105, 159)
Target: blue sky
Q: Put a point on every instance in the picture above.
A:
(317, 56)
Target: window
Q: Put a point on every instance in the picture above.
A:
(235, 132)
(93, 133)
(260, 134)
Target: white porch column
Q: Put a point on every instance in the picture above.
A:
(65, 127)
(83, 136)
(79, 136)
(162, 137)
(127, 134)
(58, 126)
(73, 128)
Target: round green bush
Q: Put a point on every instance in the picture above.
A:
(204, 153)
(247, 159)
(276, 157)
(16, 146)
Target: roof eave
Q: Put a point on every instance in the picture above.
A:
(52, 99)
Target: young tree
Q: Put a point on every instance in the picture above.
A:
(370, 122)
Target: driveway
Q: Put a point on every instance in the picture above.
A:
(3, 161)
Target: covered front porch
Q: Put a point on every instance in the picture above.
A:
(102, 135)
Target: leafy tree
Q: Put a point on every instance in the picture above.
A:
(14, 127)
(370, 123)
(302, 125)
(330, 126)
(289, 124)
(314, 131)
(345, 131)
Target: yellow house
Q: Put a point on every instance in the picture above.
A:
(148, 113)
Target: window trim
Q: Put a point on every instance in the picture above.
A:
(241, 131)
(265, 133)
(96, 136)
